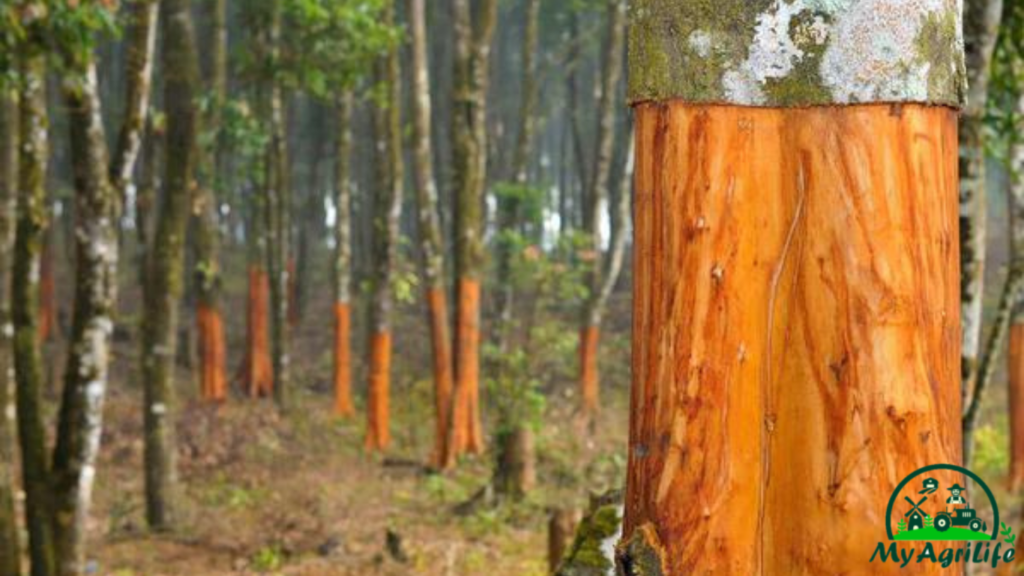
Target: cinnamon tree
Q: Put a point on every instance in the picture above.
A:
(795, 335)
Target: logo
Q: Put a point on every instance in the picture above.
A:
(931, 506)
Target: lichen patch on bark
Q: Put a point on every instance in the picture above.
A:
(796, 52)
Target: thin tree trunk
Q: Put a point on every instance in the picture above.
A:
(428, 217)
(343, 261)
(278, 210)
(10, 548)
(31, 225)
(469, 147)
(140, 47)
(795, 331)
(508, 207)
(97, 207)
(209, 322)
(1016, 347)
(146, 194)
(980, 27)
(386, 219)
(164, 288)
(597, 198)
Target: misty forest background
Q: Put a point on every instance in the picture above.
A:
(343, 286)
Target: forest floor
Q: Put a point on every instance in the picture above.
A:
(294, 494)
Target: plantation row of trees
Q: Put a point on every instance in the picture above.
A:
(188, 133)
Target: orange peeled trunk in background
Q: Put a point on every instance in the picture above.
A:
(213, 385)
(1016, 384)
(443, 385)
(257, 369)
(378, 434)
(343, 359)
(466, 433)
(589, 337)
(796, 330)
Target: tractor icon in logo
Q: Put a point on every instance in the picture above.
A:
(959, 516)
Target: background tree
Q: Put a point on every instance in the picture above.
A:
(472, 50)
(164, 289)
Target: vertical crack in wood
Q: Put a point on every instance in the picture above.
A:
(766, 366)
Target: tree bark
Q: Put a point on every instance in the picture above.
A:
(97, 207)
(207, 272)
(164, 288)
(140, 47)
(795, 285)
(508, 207)
(30, 228)
(980, 25)
(429, 220)
(597, 198)
(10, 548)
(386, 220)
(1016, 346)
(469, 146)
(278, 217)
(343, 261)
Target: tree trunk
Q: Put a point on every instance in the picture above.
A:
(257, 369)
(980, 26)
(278, 216)
(31, 225)
(795, 284)
(164, 288)
(597, 198)
(469, 147)
(343, 261)
(429, 220)
(561, 527)
(386, 220)
(97, 207)
(508, 206)
(1016, 347)
(10, 549)
(207, 273)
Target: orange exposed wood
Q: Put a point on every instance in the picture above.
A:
(378, 435)
(211, 353)
(257, 369)
(467, 431)
(589, 337)
(796, 336)
(47, 295)
(343, 360)
(438, 310)
(1016, 375)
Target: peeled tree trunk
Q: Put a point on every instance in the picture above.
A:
(429, 219)
(980, 25)
(1014, 286)
(472, 42)
(343, 262)
(209, 321)
(796, 302)
(30, 229)
(387, 215)
(10, 548)
(597, 198)
(164, 282)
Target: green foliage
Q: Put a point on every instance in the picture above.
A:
(991, 454)
(928, 520)
(268, 559)
(901, 526)
(516, 393)
(327, 46)
(1006, 85)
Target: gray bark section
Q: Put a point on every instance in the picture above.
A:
(798, 53)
